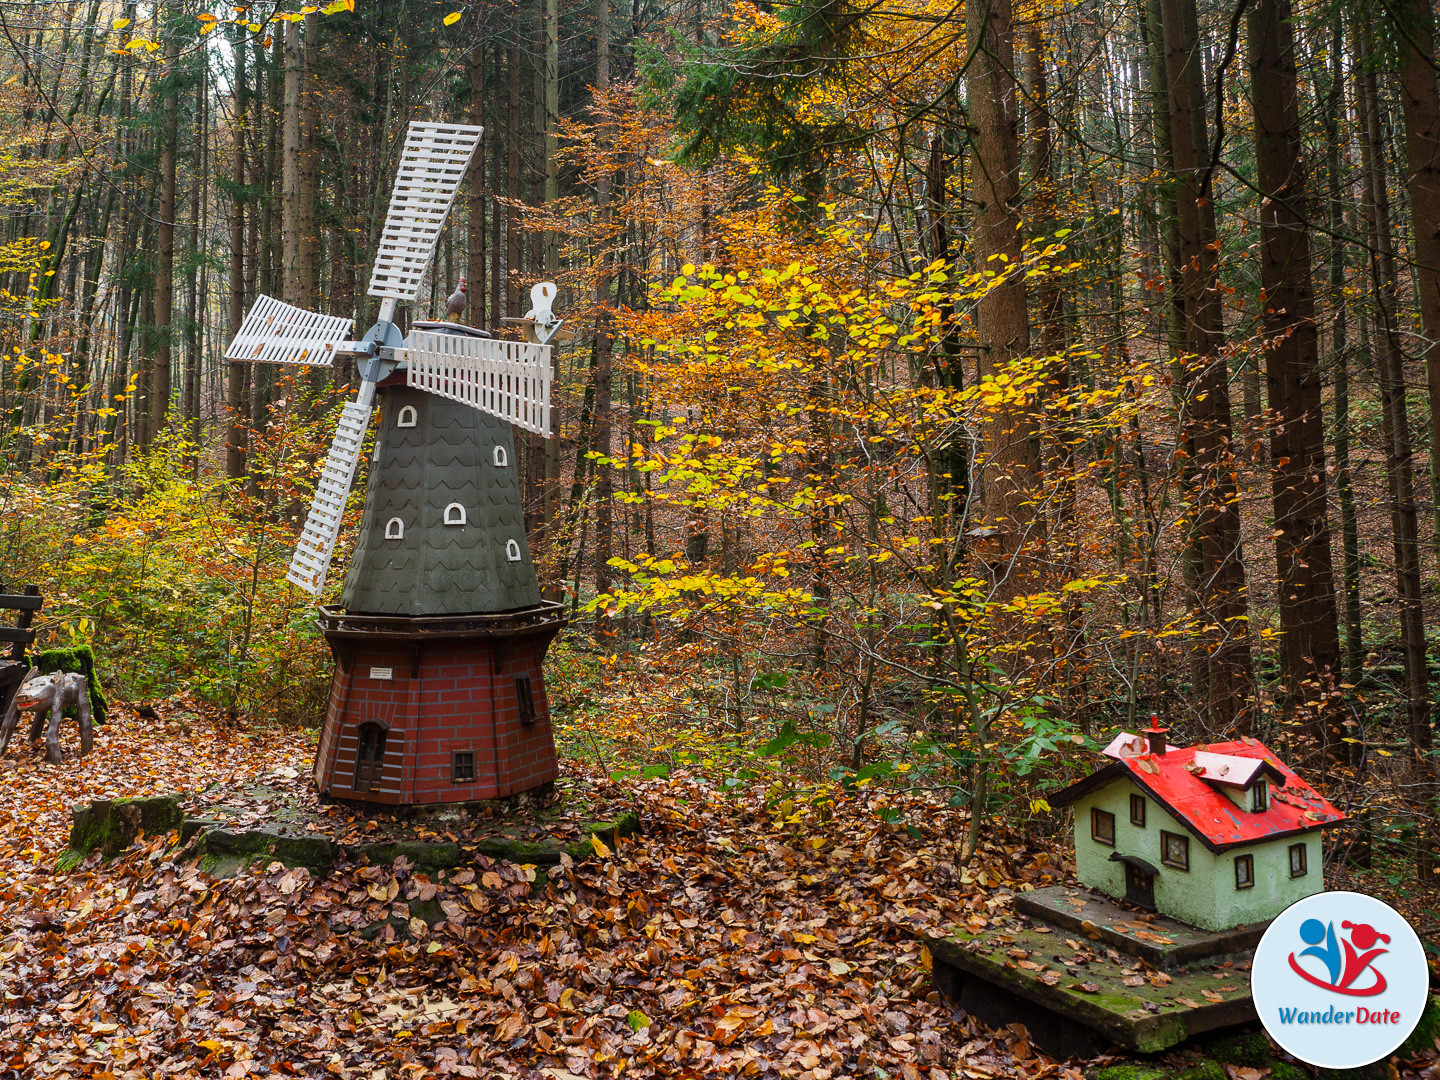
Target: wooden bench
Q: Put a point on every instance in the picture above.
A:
(16, 668)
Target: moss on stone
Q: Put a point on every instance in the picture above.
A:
(427, 911)
(78, 659)
(1132, 1072)
(1249, 1048)
(422, 855)
(1284, 1070)
(1205, 1069)
(111, 825)
(223, 852)
(1426, 1031)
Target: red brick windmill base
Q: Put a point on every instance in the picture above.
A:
(429, 710)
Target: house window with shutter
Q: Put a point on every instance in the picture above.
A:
(369, 758)
(1137, 810)
(1298, 867)
(1244, 871)
(1102, 826)
(1175, 850)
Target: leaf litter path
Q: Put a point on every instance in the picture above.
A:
(713, 945)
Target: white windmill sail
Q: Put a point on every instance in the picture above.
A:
(311, 560)
(278, 333)
(508, 379)
(432, 165)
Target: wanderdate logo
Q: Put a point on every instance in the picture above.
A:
(1319, 956)
(1343, 970)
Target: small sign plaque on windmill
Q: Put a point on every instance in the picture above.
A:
(440, 635)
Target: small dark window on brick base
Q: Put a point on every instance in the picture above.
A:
(369, 758)
(525, 700)
(462, 766)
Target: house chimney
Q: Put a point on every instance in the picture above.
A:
(1156, 736)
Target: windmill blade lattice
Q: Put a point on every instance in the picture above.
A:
(312, 555)
(432, 165)
(508, 379)
(278, 333)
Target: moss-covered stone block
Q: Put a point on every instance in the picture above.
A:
(422, 855)
(1204, 1069)
(1248, 1048)
(80, 659)
(112, 825)
(224, 851)
(1132, 1072)
(1426, 1032)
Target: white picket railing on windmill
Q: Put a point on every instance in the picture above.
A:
(316, 545)
(432, 165)
(508, 379)
(275, 332)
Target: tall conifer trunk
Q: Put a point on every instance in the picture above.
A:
(1225, 682)
(1309, 643)
(163, 333)
(1420, 97)
(236, 403)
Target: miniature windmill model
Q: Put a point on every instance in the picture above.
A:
(439, 638)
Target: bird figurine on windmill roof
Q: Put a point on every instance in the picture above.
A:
(440, 635)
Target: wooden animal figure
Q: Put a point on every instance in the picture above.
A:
(56, 692)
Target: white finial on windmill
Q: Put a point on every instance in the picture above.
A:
(540, 325)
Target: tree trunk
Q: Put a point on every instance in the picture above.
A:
(604, 341)
(475, 257)
(1421, 101)
(1226, 687)
(1395, 424)
(236, 404)
(163, 330)
(1309, 643)
(512, 178)
(1002, 326)
(1337, 183)
(292, 236)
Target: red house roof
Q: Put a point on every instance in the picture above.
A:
(1191, 791)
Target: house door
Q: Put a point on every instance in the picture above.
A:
(1139, 887)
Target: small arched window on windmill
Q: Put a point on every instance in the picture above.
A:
(407, 417)
(512, 551)
(500, 458)
(455, 514)
(394, 529)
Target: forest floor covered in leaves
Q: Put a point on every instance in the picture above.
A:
(725, 940)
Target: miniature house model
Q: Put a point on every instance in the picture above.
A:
(1215, 836)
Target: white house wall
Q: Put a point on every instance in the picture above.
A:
(1205, 895)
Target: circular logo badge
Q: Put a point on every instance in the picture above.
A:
(1339, 980)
